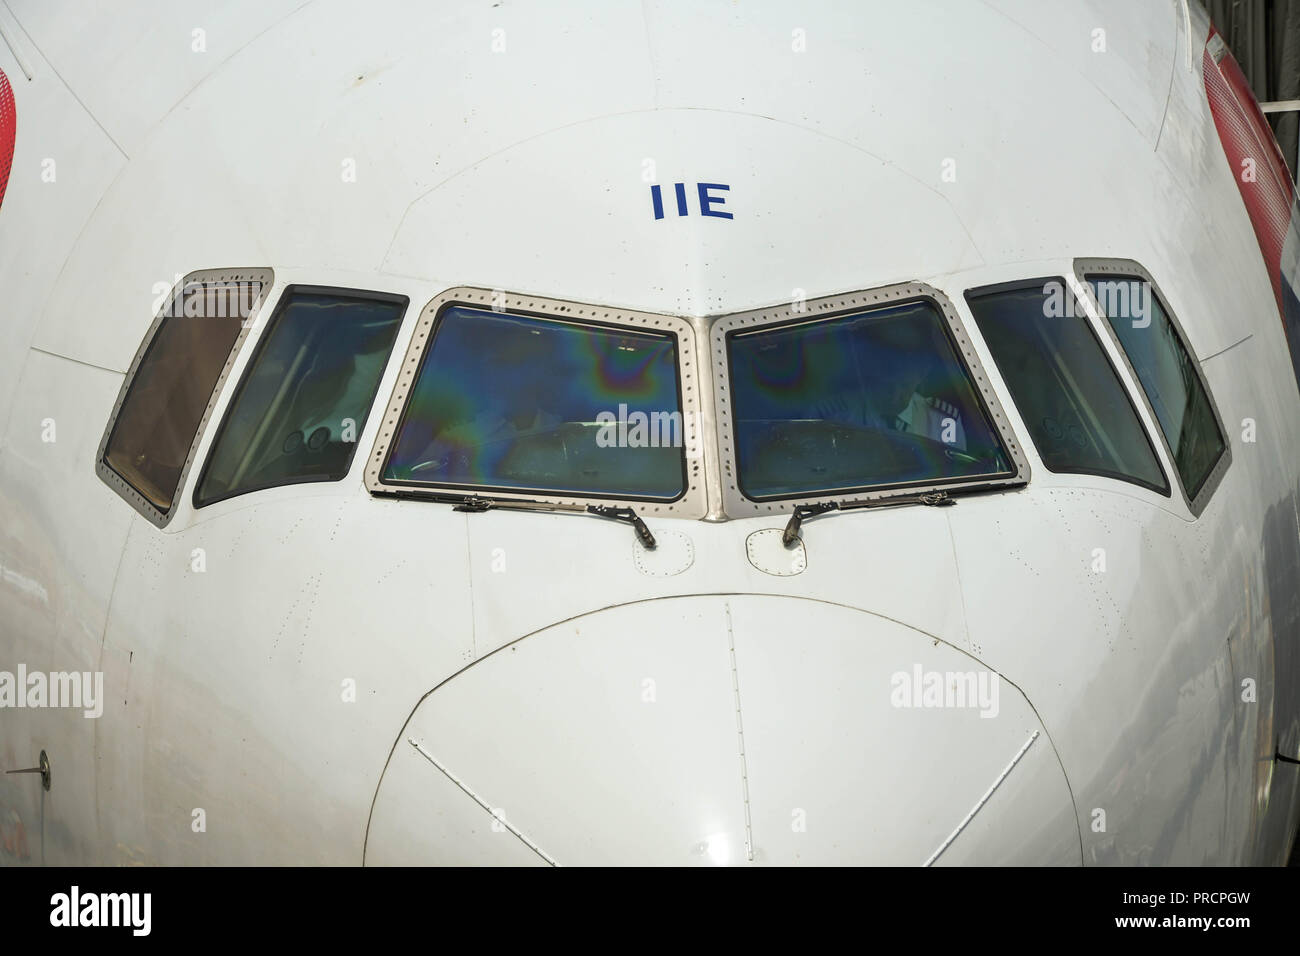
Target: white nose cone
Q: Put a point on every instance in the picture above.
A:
(721, 731)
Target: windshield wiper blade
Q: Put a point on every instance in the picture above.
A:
(628, 515)
(477, 504)
(791, 533)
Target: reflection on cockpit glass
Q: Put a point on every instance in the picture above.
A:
(520, 403)
(877, 399)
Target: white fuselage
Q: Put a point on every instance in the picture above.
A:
(356, 678)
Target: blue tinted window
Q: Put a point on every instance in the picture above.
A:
(1167, 374)
(514, 402)
(876, 399)
(307, 394)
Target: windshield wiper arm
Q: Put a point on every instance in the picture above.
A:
(791, 533)
(628, 515)
(477, 504)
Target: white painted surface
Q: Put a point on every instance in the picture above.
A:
(523, 171)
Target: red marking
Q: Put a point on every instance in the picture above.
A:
(1245, 134)
(14, 840)
(8, 126)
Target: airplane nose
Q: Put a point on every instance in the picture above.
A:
(719, 730)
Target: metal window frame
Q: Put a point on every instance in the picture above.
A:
(120, 485)
(691, 503)
(1130, 268)
(738, 505)
(1038, 284)
(284, 299)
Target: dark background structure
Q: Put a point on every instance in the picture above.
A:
(1264, 36)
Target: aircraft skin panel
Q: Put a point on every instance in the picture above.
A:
(641, 256)
(59, 171)
(258, 189)
(753, 788)
(457, 827)
(1262, 640)
(270, 658)
(844, 573)
(1130, 55)
(60, 548)
(257, 681)
(660, 762)
(184, 43)
(1088, 622)
(905, 807)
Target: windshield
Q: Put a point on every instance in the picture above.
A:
(873, 400)
(519, 403)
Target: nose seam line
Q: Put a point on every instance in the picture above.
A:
(981, 801)
(477, 799)
(740, 735)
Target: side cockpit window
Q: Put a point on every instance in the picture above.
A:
(1068, 393)
(1169, 376)
(171, 385)
(305, 397)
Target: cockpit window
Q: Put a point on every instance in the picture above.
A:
(877, 399)
(520, 403)
(172, 385)
(1167, 373)
(305, 398)
(1068, 393)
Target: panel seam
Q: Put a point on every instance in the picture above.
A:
(479, 800)
(982, 800)
(740, 736)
